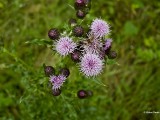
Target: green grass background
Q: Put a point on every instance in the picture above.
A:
(122, 92)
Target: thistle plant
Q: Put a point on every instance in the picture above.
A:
(89, 50)
(61, 89)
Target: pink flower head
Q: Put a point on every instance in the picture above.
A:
(91, 64)
(99, 28)
(107, 44)
(65, 45)
(57, 81)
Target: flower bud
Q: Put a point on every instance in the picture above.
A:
(82, 94)
(49, 70)
(75, 56)
(56, 92)
(80, 14)
(112, 55)
(53, 34)
(65, 72)
(78, 31)
(79, 4)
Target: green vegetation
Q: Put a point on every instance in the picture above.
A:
(123, 91)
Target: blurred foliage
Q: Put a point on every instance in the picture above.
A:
(124, 90)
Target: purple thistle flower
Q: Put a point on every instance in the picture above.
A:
(99, 28)
(57, 81)
(65, 45)
(91, 65)
(107, 44)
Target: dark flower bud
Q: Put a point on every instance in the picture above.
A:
(72, 22)
(78, 31)
(65, 72)
(56, 92)
(112, 55)
(79, 4)
(75, 56)
(82, 94)
(90, 93)
(49, 70)
(80, 14)
(53, 34)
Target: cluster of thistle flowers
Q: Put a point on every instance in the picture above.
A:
(90, 52)
(89, 49)
(58, 80)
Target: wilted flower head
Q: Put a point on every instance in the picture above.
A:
(57, 81)
(93, 47)
(91, 64)
(65, 45)
(107, 44)
(99, 28)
